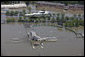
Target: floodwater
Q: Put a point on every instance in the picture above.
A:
(14, 41)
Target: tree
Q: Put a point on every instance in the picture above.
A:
(7, 13)
(62, 17)
(81, 22)
(6, 2)
(24, 11)
(21, 13)
(66, 18)
(58, 17)
(79, 16)
(74, 15)
(20, 19)
(16, 13)
(71, 18)
(53, 19)
(76, 23)
(29, 8)
(24, 17)
(11, 13)
(27, 3)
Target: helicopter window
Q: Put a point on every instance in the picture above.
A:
(34, 38)
(42, 12)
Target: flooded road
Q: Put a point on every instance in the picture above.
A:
(14, 41)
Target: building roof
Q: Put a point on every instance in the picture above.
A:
(13, 6)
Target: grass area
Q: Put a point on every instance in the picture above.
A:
(10, 20)
(77, 28)
(60, 29)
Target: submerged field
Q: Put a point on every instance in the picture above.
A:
(14, 41)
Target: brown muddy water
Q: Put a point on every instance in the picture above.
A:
(14, 41)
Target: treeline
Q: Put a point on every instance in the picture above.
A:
(15, 13)
(32, 2)
(69, 2)
(60, 19)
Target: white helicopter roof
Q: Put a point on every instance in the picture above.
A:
(41, 11)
